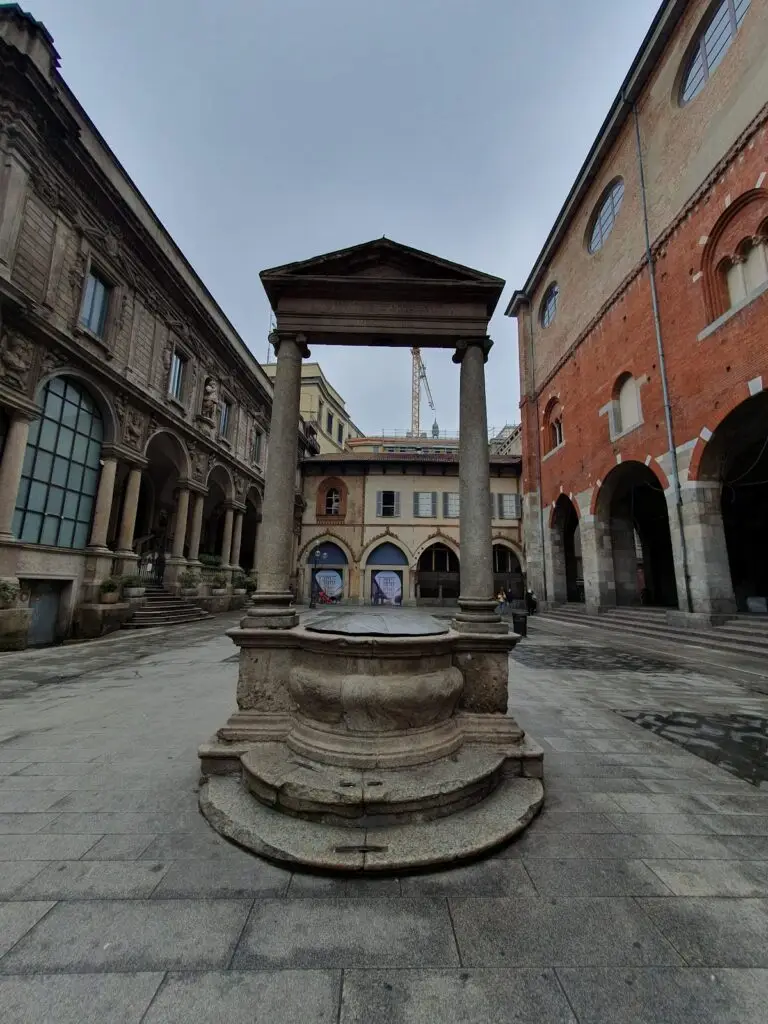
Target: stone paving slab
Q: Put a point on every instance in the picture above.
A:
(443, 997)
(136, 935)
(571, 877)
(712, 877)
(16, 919)
(714, 932)
(664, 995)
(347, 933)
(557, 932)
(253, 997)
(93, 880)
(74, 998)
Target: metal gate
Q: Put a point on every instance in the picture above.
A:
(44, 603)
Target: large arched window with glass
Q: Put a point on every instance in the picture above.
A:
(711, 45)
(61, 469)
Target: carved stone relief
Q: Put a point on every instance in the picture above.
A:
(17, 354)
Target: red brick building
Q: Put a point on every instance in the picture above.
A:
(643, 335)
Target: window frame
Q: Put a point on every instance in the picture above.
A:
(225, 433)
(516, 513)
(447, 514)
(549, 303)
(697, 49)
(427, 498)
(607, 198)
(178, 353)
(381, 512)
(332, 497)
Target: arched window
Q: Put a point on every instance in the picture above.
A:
(549, 305)
(711, 45)
(605, 216)
(747, 271)
(626, 404)
(553, 425)
(61, 469)
(332, 501)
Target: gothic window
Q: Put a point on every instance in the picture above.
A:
(552, 426)
(711, 45)
(61, 469)
(605, 217)
(747, 271)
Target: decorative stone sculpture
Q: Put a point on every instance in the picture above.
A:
(210, 399)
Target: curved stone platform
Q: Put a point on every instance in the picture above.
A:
(280, 837)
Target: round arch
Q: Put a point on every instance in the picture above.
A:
(169, 445)
(221, 475)
(632, 509)
(735, 463)
(565, 543)
(101, 398)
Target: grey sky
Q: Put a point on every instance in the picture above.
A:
(266, 131)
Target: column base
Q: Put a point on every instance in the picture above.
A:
(271, 610)
(478, 615)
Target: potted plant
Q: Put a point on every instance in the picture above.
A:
(251, 585)
(239, 584)
(9, 593)
(109, 591)
(218, 584)
(189, 582)
(133, 586)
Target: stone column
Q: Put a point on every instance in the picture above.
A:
(237, 539)
(624, 558)
(710, 572)
(596, 563)
(10, 471)
(104, 497)
(272, 602)
(128, 521)
(197, 526)
(180, 528)
(477, 603)
(226, 541)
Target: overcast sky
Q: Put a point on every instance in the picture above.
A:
(267, 131)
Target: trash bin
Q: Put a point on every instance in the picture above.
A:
(520, 623)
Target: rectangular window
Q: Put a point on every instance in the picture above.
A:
(509, 506)
(340, 433)
(451, 506)
(93, 314)
(176, 379)
(225, 409)
(256, 448)
(329, 424)
(388, 504)
(425, 504)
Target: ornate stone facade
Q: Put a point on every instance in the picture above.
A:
(103, 321)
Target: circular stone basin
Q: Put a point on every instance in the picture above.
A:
(386, 624)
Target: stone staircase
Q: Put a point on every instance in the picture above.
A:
(742, 634)
(163, 609)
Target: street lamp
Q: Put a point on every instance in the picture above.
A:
(317, 557)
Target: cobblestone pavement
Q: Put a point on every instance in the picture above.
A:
(639, 896)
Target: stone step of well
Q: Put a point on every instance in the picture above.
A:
(714, 639)
(133, 624)
(178, 613)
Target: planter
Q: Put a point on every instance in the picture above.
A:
(239, 591)
(133, 591)
(109, 597)
(218, 591)
(189, 591)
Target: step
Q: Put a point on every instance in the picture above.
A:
(132, 624)
(171, 616)
(712, 639)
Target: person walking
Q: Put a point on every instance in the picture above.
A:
(501, 607)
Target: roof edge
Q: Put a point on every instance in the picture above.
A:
(656, 38)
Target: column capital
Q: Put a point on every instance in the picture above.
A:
(276, 338)
(17, 407)
(462, 344)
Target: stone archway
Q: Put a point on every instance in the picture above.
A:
(251, 523)
(566, 563)
(732, 510)
(217, 510)
(438, 576)
(507, 571)
(632, 508)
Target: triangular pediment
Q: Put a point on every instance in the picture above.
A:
(381, 259)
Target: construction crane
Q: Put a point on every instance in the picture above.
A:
(418, 377)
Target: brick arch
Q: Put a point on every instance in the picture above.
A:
(328, 484)
(701, 448)
(553, 508)
(653, 466)
(745, 218)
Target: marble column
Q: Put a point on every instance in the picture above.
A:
(237, 539)
(477, 603)
(104, 497)
(10, 471)
(226, 540)
(180, 528)
(197, 526)
(128, 521)
(272, 602)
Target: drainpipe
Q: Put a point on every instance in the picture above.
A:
(662, 360)
(545, 596)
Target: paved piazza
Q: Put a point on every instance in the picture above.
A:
(639, 896)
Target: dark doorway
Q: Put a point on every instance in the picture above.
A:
(569, 579)
(437, 576)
